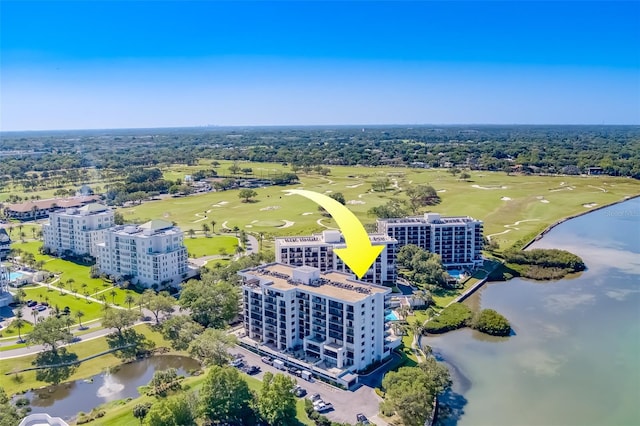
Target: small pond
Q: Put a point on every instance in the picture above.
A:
(66, 400)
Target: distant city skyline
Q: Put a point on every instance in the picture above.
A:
(102, 65)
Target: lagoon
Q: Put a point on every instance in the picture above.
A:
(575, 356)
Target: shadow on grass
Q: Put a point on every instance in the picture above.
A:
(129, 344)
(56, 367)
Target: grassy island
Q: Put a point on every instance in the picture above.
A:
(540, 264)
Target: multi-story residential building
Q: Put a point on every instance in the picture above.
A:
(148, 254)
(330, 320)
(457, 239)
(38, 209)
(77, 230)
(5, 244)
(317, 250)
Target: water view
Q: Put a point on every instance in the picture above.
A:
(574, 357)
(66, 400)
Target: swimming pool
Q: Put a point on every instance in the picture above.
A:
(390, 316)
(15, 275)
(455, 273)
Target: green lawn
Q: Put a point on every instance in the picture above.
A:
(209, 246)
(51, 295)
(27, 380)
(11, 332)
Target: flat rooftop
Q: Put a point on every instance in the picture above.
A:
(451, 220)
(318, 240)
(336, 285)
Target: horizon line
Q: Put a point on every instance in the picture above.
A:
(354, 125)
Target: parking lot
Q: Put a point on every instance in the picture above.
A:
(346, 404)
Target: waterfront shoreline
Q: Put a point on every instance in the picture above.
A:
(542, 233)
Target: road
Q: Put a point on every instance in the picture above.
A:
(346, 404)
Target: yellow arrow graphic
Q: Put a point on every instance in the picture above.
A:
(359, 254)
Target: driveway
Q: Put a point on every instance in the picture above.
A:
(346, 404)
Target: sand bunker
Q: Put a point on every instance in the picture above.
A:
(328, 192)
(589, 205)
(356, 202)
(307, 213)
(248, 226)
(441, 190)
(287, 224)
(506, 198)
(355, 186)
(319, 222)
(489, 187)
(269, 208)
(597, 187)
(544, 201)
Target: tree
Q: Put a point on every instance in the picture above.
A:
(276, 403)
(50, 333)
(391, 209)
(178, 410)
(465, 176)
(422, 195)
(225, 397)
(410, 391)
(181, 331)
(18, 323)
(213, 226)
(9, 414)
(246, 194)
(161, 303)
(212, 303)
(205, 229)
(416, 328)
(79, 315)
(211, 347)
(118, 319)
(191, 233)
(140, 411)
(491, 322)
(129, 300)
(113, 293)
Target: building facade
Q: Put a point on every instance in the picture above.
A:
(317, 251)
(457, 239)
(77, 230)
(5, 244)
(328, 319)
(148, 254)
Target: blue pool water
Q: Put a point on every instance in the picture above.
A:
(15, 275)
(390, 316)
(455, 273)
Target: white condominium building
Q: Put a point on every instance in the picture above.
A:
(457, 239)
(77, 230)
(152, 253)
(317, 250)
(329, 318)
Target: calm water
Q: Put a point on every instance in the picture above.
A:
(67, 400)
(575, 357)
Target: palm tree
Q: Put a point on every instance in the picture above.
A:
(129, 300)
(261, 235)
(18, 323)
(213, 226)
(79, 315)
(113, 294)
(416, 328)
(403, 312)
(205, 229)
(61, 285)
(191, 233)
(35, 316)
(68, 322)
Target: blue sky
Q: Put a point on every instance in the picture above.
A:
(94, 64)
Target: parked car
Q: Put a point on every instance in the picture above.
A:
(31, 303)
(251, 369)
(41, 308)
(266, 360)
(322, 406)
(315, 397)
(299, 391)
(236, 362)
(362, 419)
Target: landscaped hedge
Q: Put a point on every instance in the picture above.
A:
(453, 317)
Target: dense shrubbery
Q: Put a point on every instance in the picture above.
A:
(491, 322)
(453, 317)
(543, 264)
